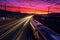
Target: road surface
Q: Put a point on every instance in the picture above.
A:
(27, 28)
(47, 33)
(19, 29)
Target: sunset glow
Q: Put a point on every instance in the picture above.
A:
(30, 7)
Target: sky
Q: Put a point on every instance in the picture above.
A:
(31, 6)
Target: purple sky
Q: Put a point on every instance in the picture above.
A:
(35, 4)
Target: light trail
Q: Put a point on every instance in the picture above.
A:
(8, 26)
(5, 27)
(33, 27)
(28, 20)
(14, 21)
(35, 32)
(12, 29)
(23, 28)
(9, 23)
(51, 35)
(21, 21)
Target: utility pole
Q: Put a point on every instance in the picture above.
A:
(49, 9)
(5, 9)
(18, 9)
(5, 4)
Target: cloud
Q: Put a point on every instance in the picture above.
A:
(43, 5)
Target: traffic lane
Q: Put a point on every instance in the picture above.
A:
(8, 26)
(2, 27)
(50, 22)
(48, 33)
(12, 35)
(13, 27)
(36, 33)
(27, 33)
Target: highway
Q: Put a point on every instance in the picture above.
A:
(27, 28)
(46, 32)
(17, 30)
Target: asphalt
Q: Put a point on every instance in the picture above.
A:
(51, 22)
(46, 32)
(25, 32)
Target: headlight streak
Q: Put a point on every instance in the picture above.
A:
(12, 29)
(28, 20)
(8, 26)
(12, 22)
(15, 27)
(9, 23)
(34, 29)
(18, 35)
(45, 30)
(5, 27)
(23, 28)
(35, 32)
